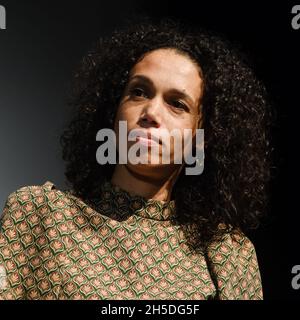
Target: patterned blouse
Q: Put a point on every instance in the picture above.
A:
(53, 245)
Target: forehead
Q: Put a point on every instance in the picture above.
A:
(168, 68)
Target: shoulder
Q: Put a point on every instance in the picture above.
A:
(234, 266)
(32, 202)
(29, 193)
(234, 243)
(27, 228)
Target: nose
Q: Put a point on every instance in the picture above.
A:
(151, 114)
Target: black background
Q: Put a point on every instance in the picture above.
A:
(45, 40)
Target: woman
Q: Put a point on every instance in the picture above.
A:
(148, 230)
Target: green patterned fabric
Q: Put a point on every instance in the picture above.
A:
(53, 245)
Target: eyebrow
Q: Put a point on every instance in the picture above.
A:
(179, 93)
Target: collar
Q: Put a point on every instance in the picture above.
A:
(118, 203)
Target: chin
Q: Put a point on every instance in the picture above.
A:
(156, 171)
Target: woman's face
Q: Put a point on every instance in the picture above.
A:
(163, 92)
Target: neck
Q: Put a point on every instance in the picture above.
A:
(147, 187)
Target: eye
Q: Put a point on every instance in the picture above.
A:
(138, 92)
(179, 105)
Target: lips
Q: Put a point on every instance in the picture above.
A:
(148, 138)
(146, 141)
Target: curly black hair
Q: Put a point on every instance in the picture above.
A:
(233, 189)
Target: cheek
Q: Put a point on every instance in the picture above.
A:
(126, 113)
(194, 123)
(121, 115)
(182, 124)
(185, 126)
